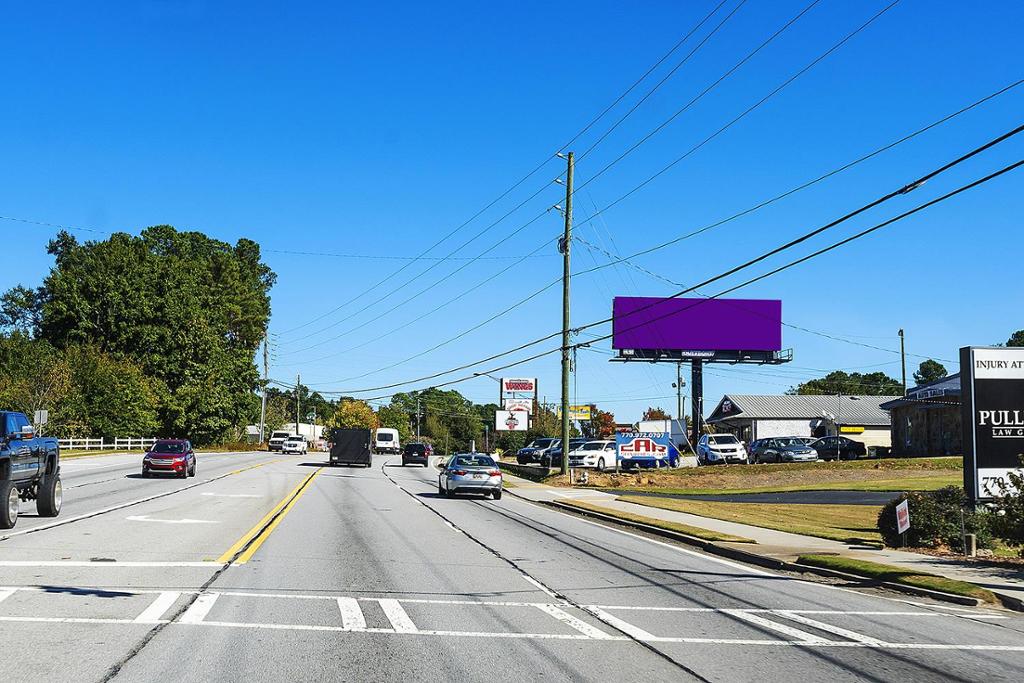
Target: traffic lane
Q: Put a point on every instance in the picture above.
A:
(87, 491)
(171, 542)
(785, 498)
(444, 608)
(595, 565)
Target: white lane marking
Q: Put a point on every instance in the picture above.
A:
(230, 495)
(685, 551)
(198, 610)
(147, 518)
(828, 628)
(773, 626)
(395, 613)
(632, 631)
(578, 624)
(156, 609)
(121, 565)
(467, 634)
(544, 589)
(69, 620)
(6, 593)
(351, 615)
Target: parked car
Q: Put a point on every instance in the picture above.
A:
(295, 443)
(781, 449)
(720, 449)
(170, 456)
(415, 453)
(553, 456)
(277, 439)
(29, 470)
(470, 473)
(533, 451)
(839, 448)
(598, 454)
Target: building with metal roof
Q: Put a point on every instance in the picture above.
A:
(752, 417)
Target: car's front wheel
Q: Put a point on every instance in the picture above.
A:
(600, 464)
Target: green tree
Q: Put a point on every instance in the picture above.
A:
(20, 310)
(111, 397)
(394, 417)
(929, 371)
(852, 383)
(188, 310)
(1016, 339)
(352, 414)
(449, 419)
(34, 376)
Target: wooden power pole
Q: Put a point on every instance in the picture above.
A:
(566, 248)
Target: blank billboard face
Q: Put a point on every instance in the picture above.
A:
(653, 323)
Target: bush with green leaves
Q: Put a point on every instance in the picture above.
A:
(935, 520)
(1008, 508)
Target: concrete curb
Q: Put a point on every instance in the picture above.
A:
(530, 472)
(772, 563)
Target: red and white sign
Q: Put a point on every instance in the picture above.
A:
(902, 517)
(511, 421)
(644, 447)
(511, 386)
(519, 405)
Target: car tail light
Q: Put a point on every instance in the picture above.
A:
(459, 473)
(494, 473)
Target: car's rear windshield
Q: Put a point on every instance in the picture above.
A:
(473, 461)
(383, 437)
(722, 439)
(415, 448)
(164, 447)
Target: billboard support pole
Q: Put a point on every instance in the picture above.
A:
(697, 395)
(566, 245)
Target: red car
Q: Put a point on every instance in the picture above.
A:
(172, 456)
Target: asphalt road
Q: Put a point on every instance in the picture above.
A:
(272, 568)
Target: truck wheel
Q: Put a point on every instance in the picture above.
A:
(10, 505)
(51, 496)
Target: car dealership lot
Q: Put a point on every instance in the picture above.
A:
(368, 573)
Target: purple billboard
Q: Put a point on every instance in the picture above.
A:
(653, 323)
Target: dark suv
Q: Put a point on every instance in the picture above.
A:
(415, 453)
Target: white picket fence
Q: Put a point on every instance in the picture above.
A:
(99, 444)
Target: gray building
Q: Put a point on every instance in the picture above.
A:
(752, 417)
(927, 420)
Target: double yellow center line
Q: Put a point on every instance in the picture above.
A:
(254, 537)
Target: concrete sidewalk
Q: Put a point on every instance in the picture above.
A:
(786, 546)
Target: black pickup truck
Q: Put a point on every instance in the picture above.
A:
(29, 470)
(350, 447)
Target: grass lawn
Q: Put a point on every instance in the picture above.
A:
(887, 572)
(84, 454)
(705, 534)
(848, 523)
(917, 474)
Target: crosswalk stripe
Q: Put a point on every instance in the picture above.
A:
(624, 626)
(157, 608)
(578, 624)
(395, 613)
(198, 610)
(351, 615)
(774, 626)
(828, 628)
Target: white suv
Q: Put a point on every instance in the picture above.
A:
(295, 444)
(594, 454)
(719, 449)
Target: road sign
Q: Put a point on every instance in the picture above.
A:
(511, 421)
(902, 517)
(992, 387)
(42, 417)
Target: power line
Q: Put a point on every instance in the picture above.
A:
(905, 189)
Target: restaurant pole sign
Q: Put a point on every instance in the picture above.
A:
(992, 410)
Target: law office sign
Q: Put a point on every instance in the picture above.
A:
(992, 391)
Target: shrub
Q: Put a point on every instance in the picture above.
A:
(934, 520)
(1008, 520)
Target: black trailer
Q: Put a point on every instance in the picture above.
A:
(350, 447)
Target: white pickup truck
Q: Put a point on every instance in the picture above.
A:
(277, 440)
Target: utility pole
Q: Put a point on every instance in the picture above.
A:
(417, 418)
(566, 246)
(679, 393)
(903, 363)
(298, 401)
(266, 383)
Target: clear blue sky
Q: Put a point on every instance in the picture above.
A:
(369, 128)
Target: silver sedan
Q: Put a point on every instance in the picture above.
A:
(470, 473)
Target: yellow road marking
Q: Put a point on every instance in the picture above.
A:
(252, 467)
(258, 534)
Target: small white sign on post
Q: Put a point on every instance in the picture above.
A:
(42, 417)
(511, 421)
(902, 517)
